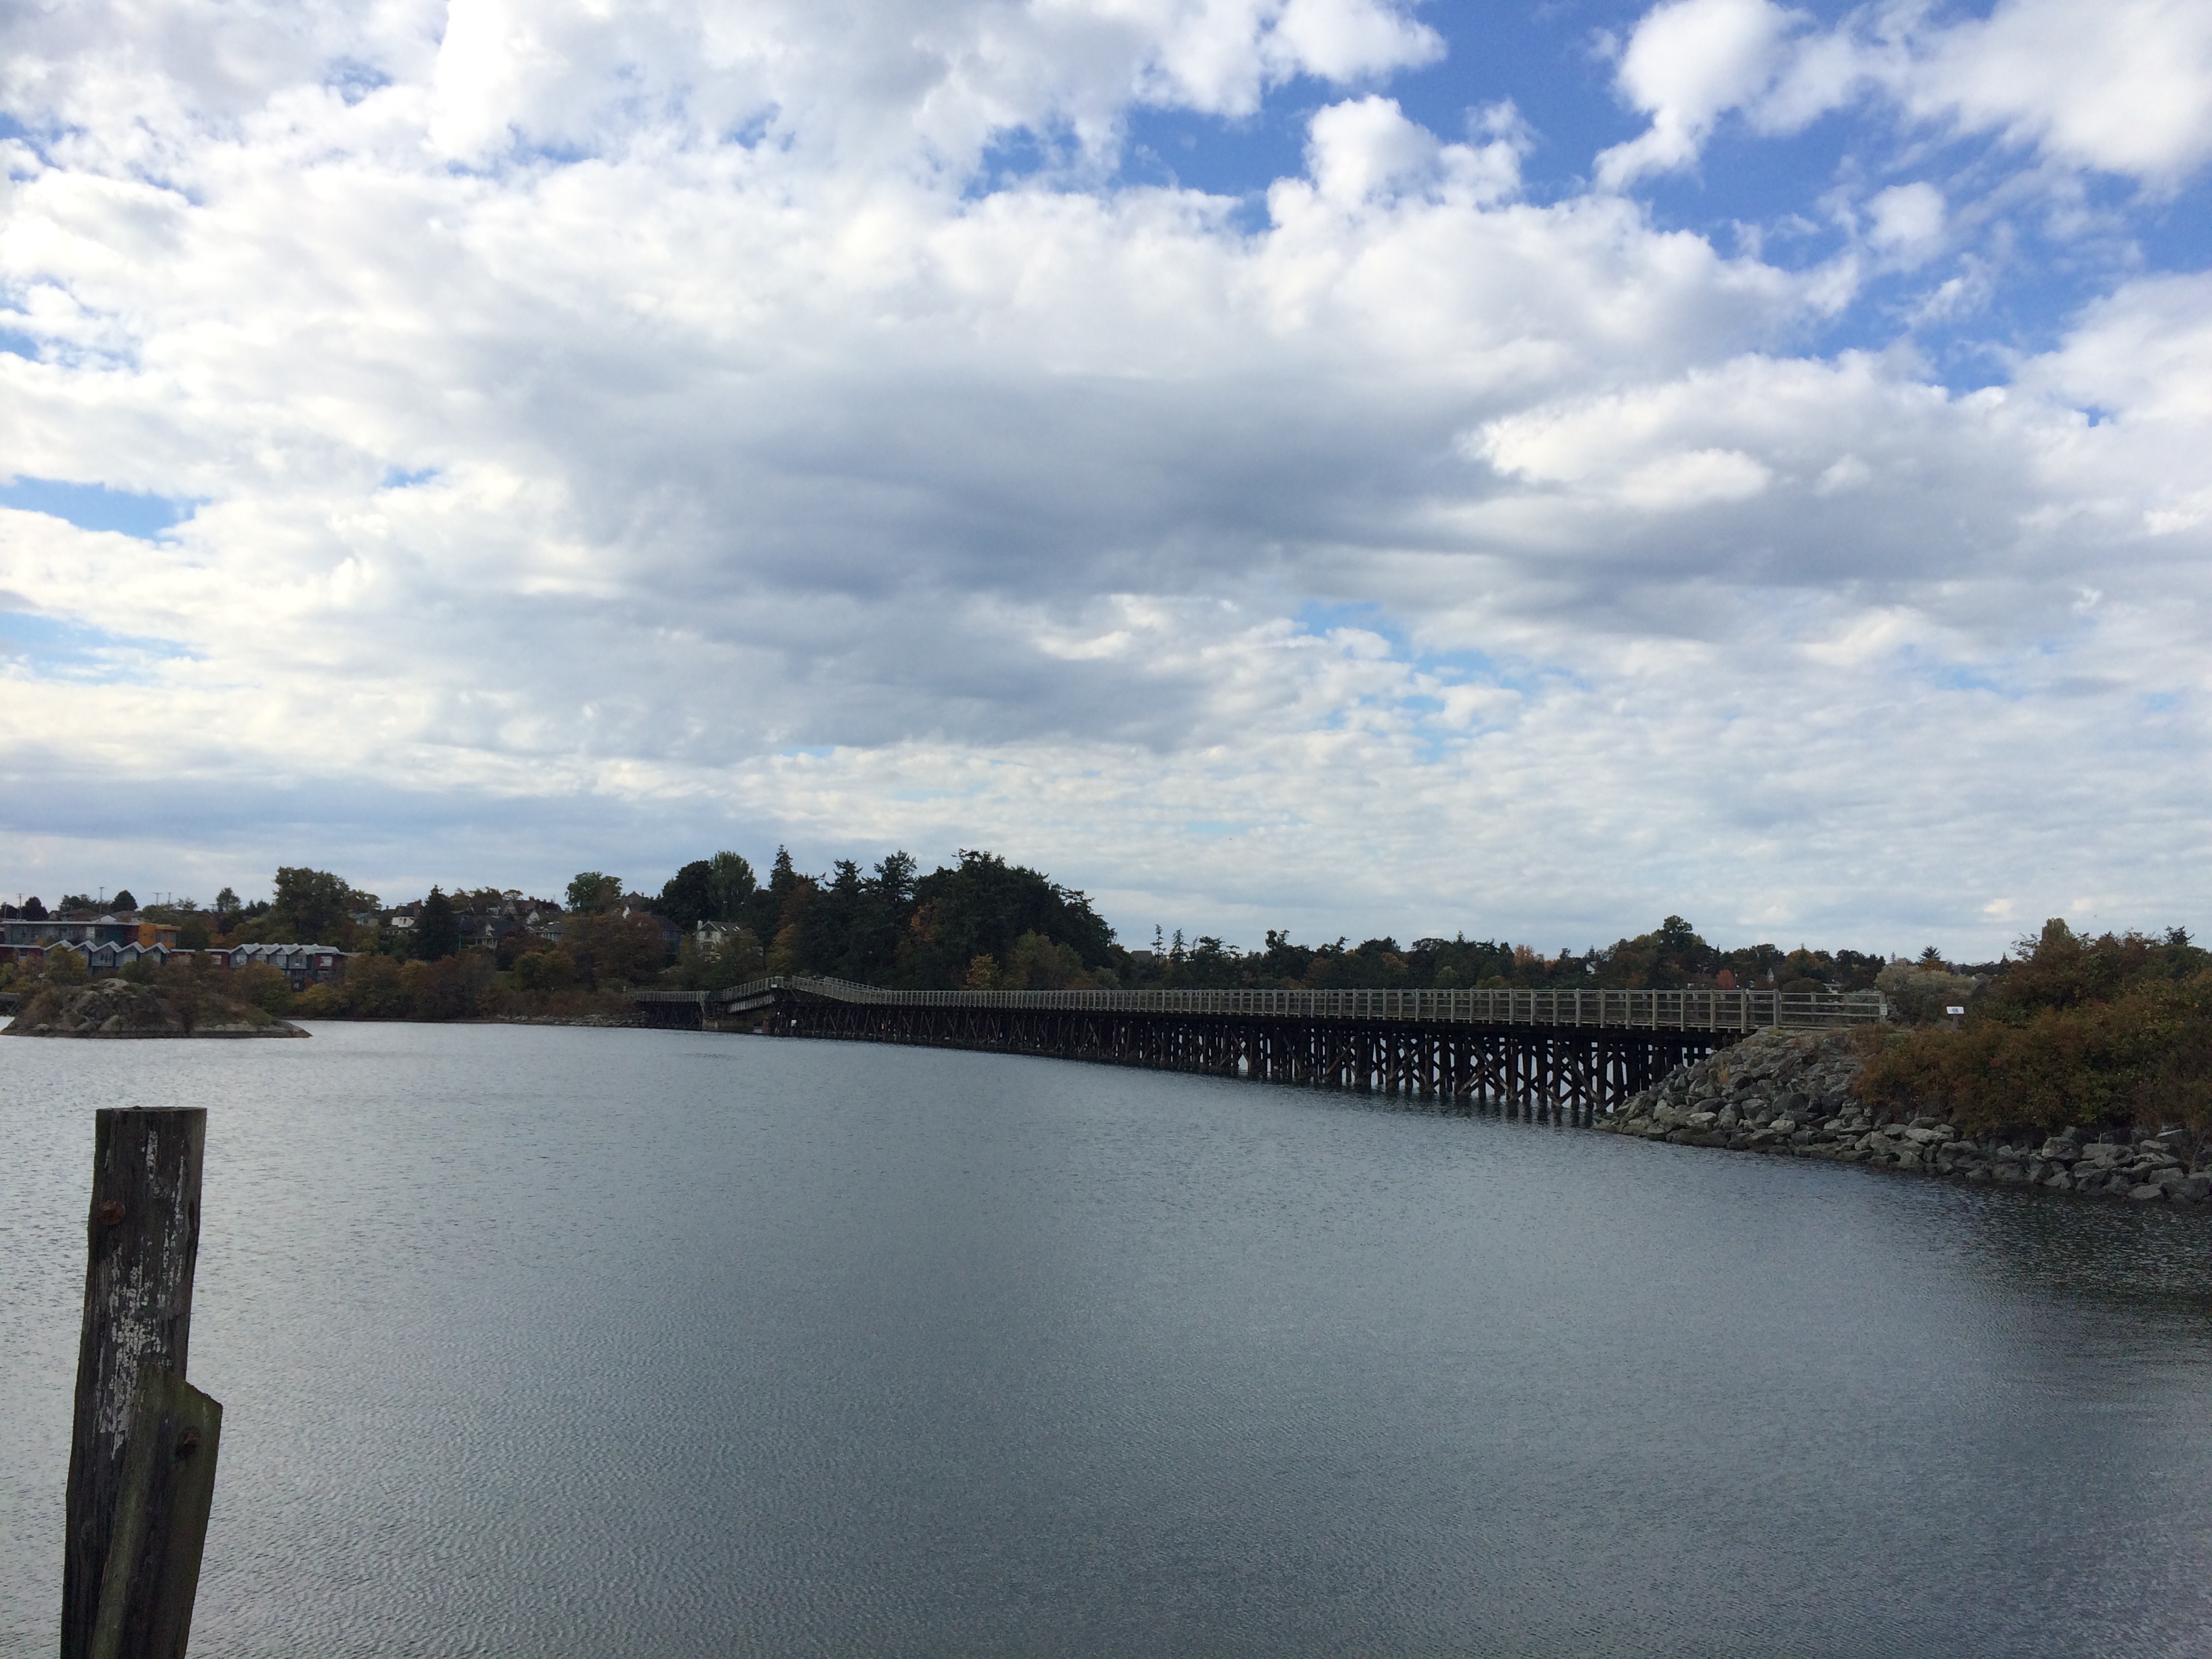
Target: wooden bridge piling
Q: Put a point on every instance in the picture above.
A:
(1563, 1057)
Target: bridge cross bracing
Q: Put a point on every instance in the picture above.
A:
(1542, 1054)
(1699, 1010)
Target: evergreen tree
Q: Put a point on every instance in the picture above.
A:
(437, 930)
(983, 906)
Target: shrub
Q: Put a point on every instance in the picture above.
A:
(2078, 1032)
(260, 985)
(1038, 963)
(320, 1002)
(372, 989)
(445, 989)
(1918, 994)
(546, 970)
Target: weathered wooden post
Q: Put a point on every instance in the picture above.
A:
(144, 1235)
(153, 1569)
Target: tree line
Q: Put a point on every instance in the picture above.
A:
(980, 922)
(2065, 1028)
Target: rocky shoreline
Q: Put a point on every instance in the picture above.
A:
(116, 1008)
(596, 1021)
(1789, 1094)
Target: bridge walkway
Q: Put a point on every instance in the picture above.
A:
(1541, 1054)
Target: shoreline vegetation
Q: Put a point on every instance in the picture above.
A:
(1793, 1094)
(2064, 1033)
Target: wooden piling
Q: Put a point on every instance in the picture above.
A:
(143, 1241)
(153, 1568)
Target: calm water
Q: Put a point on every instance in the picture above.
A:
(543, 1342)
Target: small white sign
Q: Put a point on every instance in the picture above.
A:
(1955, 1010)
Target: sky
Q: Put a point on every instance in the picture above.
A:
(1352, 466)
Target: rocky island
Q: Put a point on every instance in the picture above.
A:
(120, 1008)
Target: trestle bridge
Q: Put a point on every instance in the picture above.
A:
(1554, 1056)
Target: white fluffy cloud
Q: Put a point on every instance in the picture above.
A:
(1689, 63)
(2125, 87)
(617, 432)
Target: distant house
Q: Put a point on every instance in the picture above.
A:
(484, 932)
(22, 937)
(303, 965)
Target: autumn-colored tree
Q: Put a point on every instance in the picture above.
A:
(609, 948)
(2076, 1032)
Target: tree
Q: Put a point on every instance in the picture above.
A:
(315, 904)
(1036, 963)
(775, 909)
(124, 900)
(730, 885)
(75, 902)
(785, 886)
(32, 909)
(608, 946)
(553, 970)
(437, 930)
(981, 907)
(689, 897)
(590, 891)
(719, 889)
(226, 906)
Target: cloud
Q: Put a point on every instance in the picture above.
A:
(2123, 88)
(1907, 221)
(661, 429)
(1687, 64)
(868, 83)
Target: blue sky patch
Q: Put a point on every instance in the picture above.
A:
(52, 648)
(95, 506)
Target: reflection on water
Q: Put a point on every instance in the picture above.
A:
(541, 1342)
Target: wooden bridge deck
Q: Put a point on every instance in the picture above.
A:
(1548, 1054)
(1667, 1011)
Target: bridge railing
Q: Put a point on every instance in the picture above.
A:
(1700, 1011)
